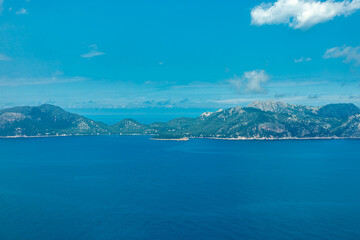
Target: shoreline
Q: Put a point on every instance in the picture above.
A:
(171, 139)
(189, 138)
(287, 138)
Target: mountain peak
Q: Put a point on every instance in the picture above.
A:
(206, 114)
(49, 107)
(339, 110)
(270, 106)
(46, 105)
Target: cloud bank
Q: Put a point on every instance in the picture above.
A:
(17, 82)
(301, 14)
(349, 54)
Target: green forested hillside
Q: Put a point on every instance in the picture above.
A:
(258, 120)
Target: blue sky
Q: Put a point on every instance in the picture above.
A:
(177, 56)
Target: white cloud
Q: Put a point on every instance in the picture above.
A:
(93, 52)
(301, 14)
(251, 81)
(3, 57)
(255, 79)
(349, 54)
(22, 11)
(302, 59)
(16, 82)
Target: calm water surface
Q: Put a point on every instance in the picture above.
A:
(118, 187)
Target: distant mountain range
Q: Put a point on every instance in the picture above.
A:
(259, 120)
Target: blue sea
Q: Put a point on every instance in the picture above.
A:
(131, 187)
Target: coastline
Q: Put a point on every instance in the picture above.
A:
(287, 138)
(187, 138)
(171, 139)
